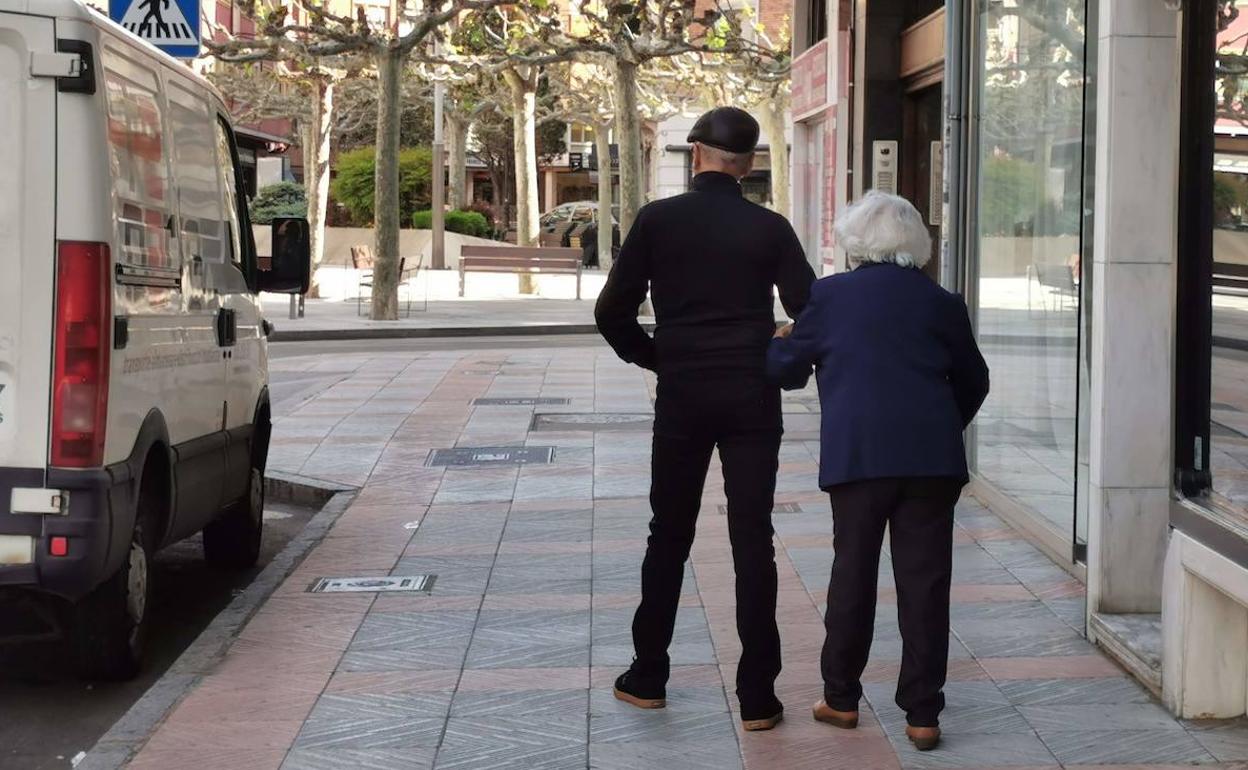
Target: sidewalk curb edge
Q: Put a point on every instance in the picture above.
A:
(443, 332)
(131, 732)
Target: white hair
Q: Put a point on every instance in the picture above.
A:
(883, 228)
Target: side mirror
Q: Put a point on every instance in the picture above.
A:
(290, 267)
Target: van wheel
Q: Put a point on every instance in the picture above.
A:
(233, 539)
(110, 625)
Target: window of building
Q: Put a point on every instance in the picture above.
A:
(816, 21)
(580, 133)
(1028, 268)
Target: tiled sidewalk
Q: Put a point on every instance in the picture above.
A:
(508, 662)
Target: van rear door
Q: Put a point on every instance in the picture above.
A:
(27, 237)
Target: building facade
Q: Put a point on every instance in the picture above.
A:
(1082, 165)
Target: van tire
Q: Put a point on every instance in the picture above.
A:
(110, 626)
(233, 539)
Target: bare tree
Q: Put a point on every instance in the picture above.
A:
(310, 29)
(625, 35)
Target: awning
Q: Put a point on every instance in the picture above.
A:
(262, 141)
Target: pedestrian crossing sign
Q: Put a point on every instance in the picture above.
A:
(170, 25)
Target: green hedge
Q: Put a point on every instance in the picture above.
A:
(284, 199)
(353, 182)
(463, 222)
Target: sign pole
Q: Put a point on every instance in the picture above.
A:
(439, 180)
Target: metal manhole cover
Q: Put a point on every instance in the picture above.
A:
(777, 508)
(490, 455)
(357, 585)
(592, 422)
(521, 401)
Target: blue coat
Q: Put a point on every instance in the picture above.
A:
(899, 373)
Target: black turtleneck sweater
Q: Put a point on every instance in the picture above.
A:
(709, 259)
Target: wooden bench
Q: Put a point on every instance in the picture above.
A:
(514, 259)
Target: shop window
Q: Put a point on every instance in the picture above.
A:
(580, 133)
(1030, 201)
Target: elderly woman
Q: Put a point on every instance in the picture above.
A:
(900, 377)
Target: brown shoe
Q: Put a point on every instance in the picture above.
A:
(846, 720)
(754, 725)
(923, 738)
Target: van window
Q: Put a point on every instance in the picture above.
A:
(229, 194)
(139, 160)
(195, 160)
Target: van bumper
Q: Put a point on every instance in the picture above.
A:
(87, 523)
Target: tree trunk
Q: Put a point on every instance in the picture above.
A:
(457, 156)
(603, 140)
(773, 124)
(386, 188)
(524, 138)
(628, 137)
(316, 145)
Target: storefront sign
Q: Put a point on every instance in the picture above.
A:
(810, 80)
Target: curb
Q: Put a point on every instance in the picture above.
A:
(384, 333)
(128, 735)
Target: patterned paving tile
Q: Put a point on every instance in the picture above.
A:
(514, 742)
(445, 629)
(1053, 718)
(402, 658)
(686, 755)
(483, 703)
(358, 732)
(518, 654)
(424, 705)
(1047, 692)
(408, 758)
(1107, 747)
(662, 725)
(1227, 740)
(683, 699)
(976, 750)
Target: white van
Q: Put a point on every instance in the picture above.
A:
(134, 406)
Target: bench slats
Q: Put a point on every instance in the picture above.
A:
(524, 260)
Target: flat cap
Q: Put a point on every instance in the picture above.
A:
(726, 128)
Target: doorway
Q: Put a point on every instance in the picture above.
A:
(922, 151)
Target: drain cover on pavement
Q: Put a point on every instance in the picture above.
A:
(491, 455)
(592, 422)
(355, 585)
(521, 401)
(777, 508)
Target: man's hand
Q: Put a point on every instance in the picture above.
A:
(784, 331)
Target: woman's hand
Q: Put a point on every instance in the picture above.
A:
(784, 331)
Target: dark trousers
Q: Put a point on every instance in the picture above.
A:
(693, 415)
(919, 515)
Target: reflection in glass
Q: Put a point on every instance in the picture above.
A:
(1228, 431)
(1030, 208)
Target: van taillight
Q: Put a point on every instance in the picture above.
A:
(80, 373)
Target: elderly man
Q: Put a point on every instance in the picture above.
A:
(709, 259)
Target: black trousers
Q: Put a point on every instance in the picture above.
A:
(739, 414)
(919, 515)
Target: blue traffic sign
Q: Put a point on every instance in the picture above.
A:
(170, 25)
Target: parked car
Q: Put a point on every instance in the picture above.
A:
(134, 400)
(574, 225)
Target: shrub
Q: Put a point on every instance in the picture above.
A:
(463, 222)
(284, 199)
(353, 182)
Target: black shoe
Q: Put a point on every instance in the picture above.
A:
(763, 714)
(632, 688)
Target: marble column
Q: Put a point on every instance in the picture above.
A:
(1132, 358)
